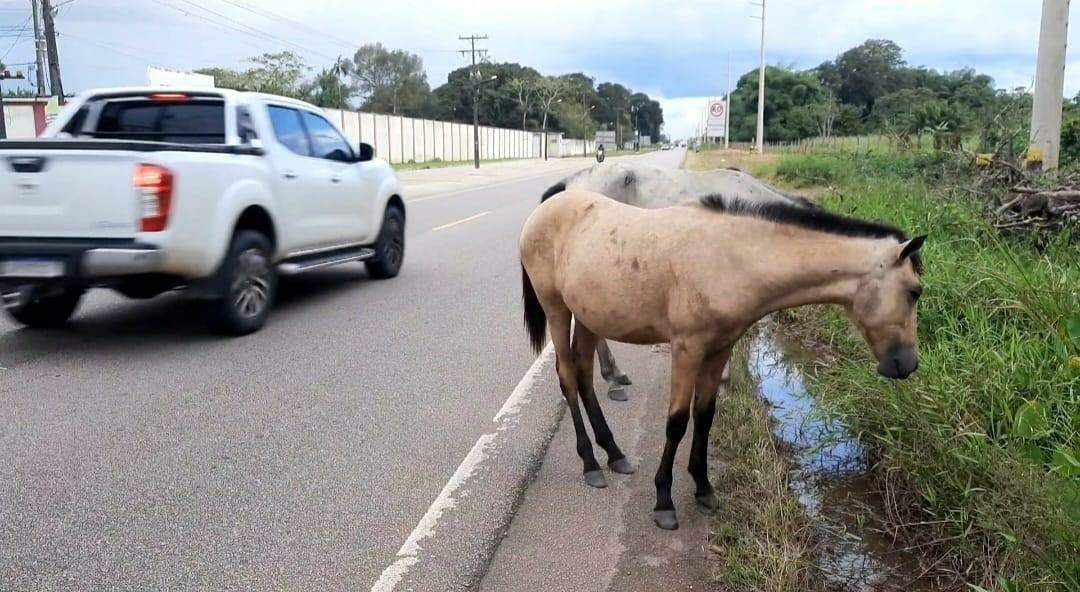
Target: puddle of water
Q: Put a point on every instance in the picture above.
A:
(829, 478)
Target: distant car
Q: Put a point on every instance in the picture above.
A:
(144, 190)
(665, 147)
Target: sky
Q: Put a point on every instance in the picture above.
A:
(677, 51)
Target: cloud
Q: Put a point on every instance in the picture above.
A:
(668, 48)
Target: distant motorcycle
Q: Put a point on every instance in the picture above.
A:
(600, 153)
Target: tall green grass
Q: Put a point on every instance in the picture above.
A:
(979, 450)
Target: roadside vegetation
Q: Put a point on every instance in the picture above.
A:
(761, 536)
(976, 455)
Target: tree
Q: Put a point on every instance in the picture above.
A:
(387, 80)
(825, 113)
(525, 91)
(328, 89)
(863, 73)
(790, 100)
(548, 91)
(279, 73)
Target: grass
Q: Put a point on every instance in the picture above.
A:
(979, 450)
(761, 538)
(440, 164)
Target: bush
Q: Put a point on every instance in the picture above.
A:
(1070, 139)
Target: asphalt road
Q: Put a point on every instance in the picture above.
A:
(139, 452)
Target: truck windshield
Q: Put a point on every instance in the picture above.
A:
(190, 121)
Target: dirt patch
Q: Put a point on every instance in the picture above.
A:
(722, 159)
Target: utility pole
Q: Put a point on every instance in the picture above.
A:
(1049, 86)
(6, 75)
(47, 14)
(475, 77)
(727, 106)
(39, 48)
(761, 85)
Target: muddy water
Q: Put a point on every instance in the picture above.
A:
(829, 479)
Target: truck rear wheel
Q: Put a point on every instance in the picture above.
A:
(390, 247)
(248, 285)
(46, 311)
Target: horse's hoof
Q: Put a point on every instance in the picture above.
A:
(665, 519)
(708, 501)
(617, 393)
(622, 379)
(622, 466)
(596, 479)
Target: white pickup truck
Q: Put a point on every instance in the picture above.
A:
(215, 191)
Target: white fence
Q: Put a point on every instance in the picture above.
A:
(407, 139)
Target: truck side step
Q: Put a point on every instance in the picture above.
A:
(321, 260)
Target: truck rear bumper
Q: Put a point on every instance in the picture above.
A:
(73, 261)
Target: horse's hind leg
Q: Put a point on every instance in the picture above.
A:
(609, 369)
(585, 342)
(713, 372)
(566, 366)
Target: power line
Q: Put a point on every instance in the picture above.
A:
(25, 27)
(254, 31)
(286, 20)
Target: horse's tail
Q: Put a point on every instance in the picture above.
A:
(535, 319)
(556, 188)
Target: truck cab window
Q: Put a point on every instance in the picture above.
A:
(288, 130)
(326, 140)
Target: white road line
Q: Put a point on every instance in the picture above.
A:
(462, 221)
(408, 555)
(490, 185)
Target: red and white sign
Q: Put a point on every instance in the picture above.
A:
(717, 124)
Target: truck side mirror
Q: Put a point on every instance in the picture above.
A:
(367, 152)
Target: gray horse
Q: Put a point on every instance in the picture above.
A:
(651, 187)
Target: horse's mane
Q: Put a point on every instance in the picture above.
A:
(810, 219)
(554, 189)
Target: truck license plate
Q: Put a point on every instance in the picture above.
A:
(31, 268)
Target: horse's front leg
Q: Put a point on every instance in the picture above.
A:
(617, 379)
(714, 371)
(686, 359)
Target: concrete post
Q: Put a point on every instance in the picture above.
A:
(1049, 85)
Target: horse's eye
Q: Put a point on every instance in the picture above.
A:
(915, 293)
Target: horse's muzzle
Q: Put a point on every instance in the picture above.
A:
(900, 362)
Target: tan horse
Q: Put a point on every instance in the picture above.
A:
(698, 280)
(652, 187)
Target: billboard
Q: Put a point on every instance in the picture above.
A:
(606, 139)
(165, 78)
(717, 123)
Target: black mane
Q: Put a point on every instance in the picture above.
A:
(554, 189)
(810, 219)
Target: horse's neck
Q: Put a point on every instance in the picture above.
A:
(816, 268)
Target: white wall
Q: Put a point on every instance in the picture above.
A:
(19, 120)
(407, 139)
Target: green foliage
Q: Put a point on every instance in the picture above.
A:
(394, 81)
(1070, 138)
(813, 169)
(279, 73)
(389, 81)
(981, 441)
(870, 89)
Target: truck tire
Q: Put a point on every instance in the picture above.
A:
(390, 247)
(248, 285)
(47, 311)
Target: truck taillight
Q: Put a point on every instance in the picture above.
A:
(154, 184)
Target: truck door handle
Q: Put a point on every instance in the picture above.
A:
(335, 179)
(289, 175)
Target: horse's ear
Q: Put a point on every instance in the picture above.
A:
(629, 179)
(911, 247)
